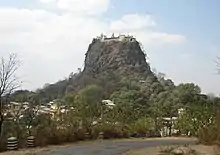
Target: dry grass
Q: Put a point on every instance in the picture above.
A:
(195, 149)
(147, 139)
(148, 151)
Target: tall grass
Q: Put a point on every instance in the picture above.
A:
(210, 133)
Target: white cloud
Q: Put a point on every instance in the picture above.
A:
(140, 25)
(47, 1)
(53, 45)
(85, 6)
(168, 38)
(82, 7)
(132, 22)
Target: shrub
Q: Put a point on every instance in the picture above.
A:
(210, 133)
(143, 126)
(80, 134)
(13, 129)
(3, 143)
(112, 130)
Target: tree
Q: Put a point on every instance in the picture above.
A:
(29, 118)
(21, 96)
(86, 105)
(187, 93)
(143, 125)
(91, 94)
(165, 104)
(8, 81)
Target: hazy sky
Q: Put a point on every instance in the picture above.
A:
(181, 37)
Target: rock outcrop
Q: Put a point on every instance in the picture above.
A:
(122, 57)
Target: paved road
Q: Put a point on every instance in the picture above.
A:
(114, 148)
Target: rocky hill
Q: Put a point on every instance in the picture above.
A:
(109, 60)
(123, 57)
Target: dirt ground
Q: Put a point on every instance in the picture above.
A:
(50, 148)
(205, 150)
(41, 149)
(25, 152)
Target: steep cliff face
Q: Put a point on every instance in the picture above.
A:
(125, 58)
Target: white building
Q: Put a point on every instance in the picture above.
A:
(122, 38)
(108, 103)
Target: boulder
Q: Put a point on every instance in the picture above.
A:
(182, 151)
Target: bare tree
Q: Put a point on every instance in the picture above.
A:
(8, 80)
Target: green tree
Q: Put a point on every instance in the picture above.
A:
(187, 93)
(143, 125)
(86, 105)
(91, 94)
